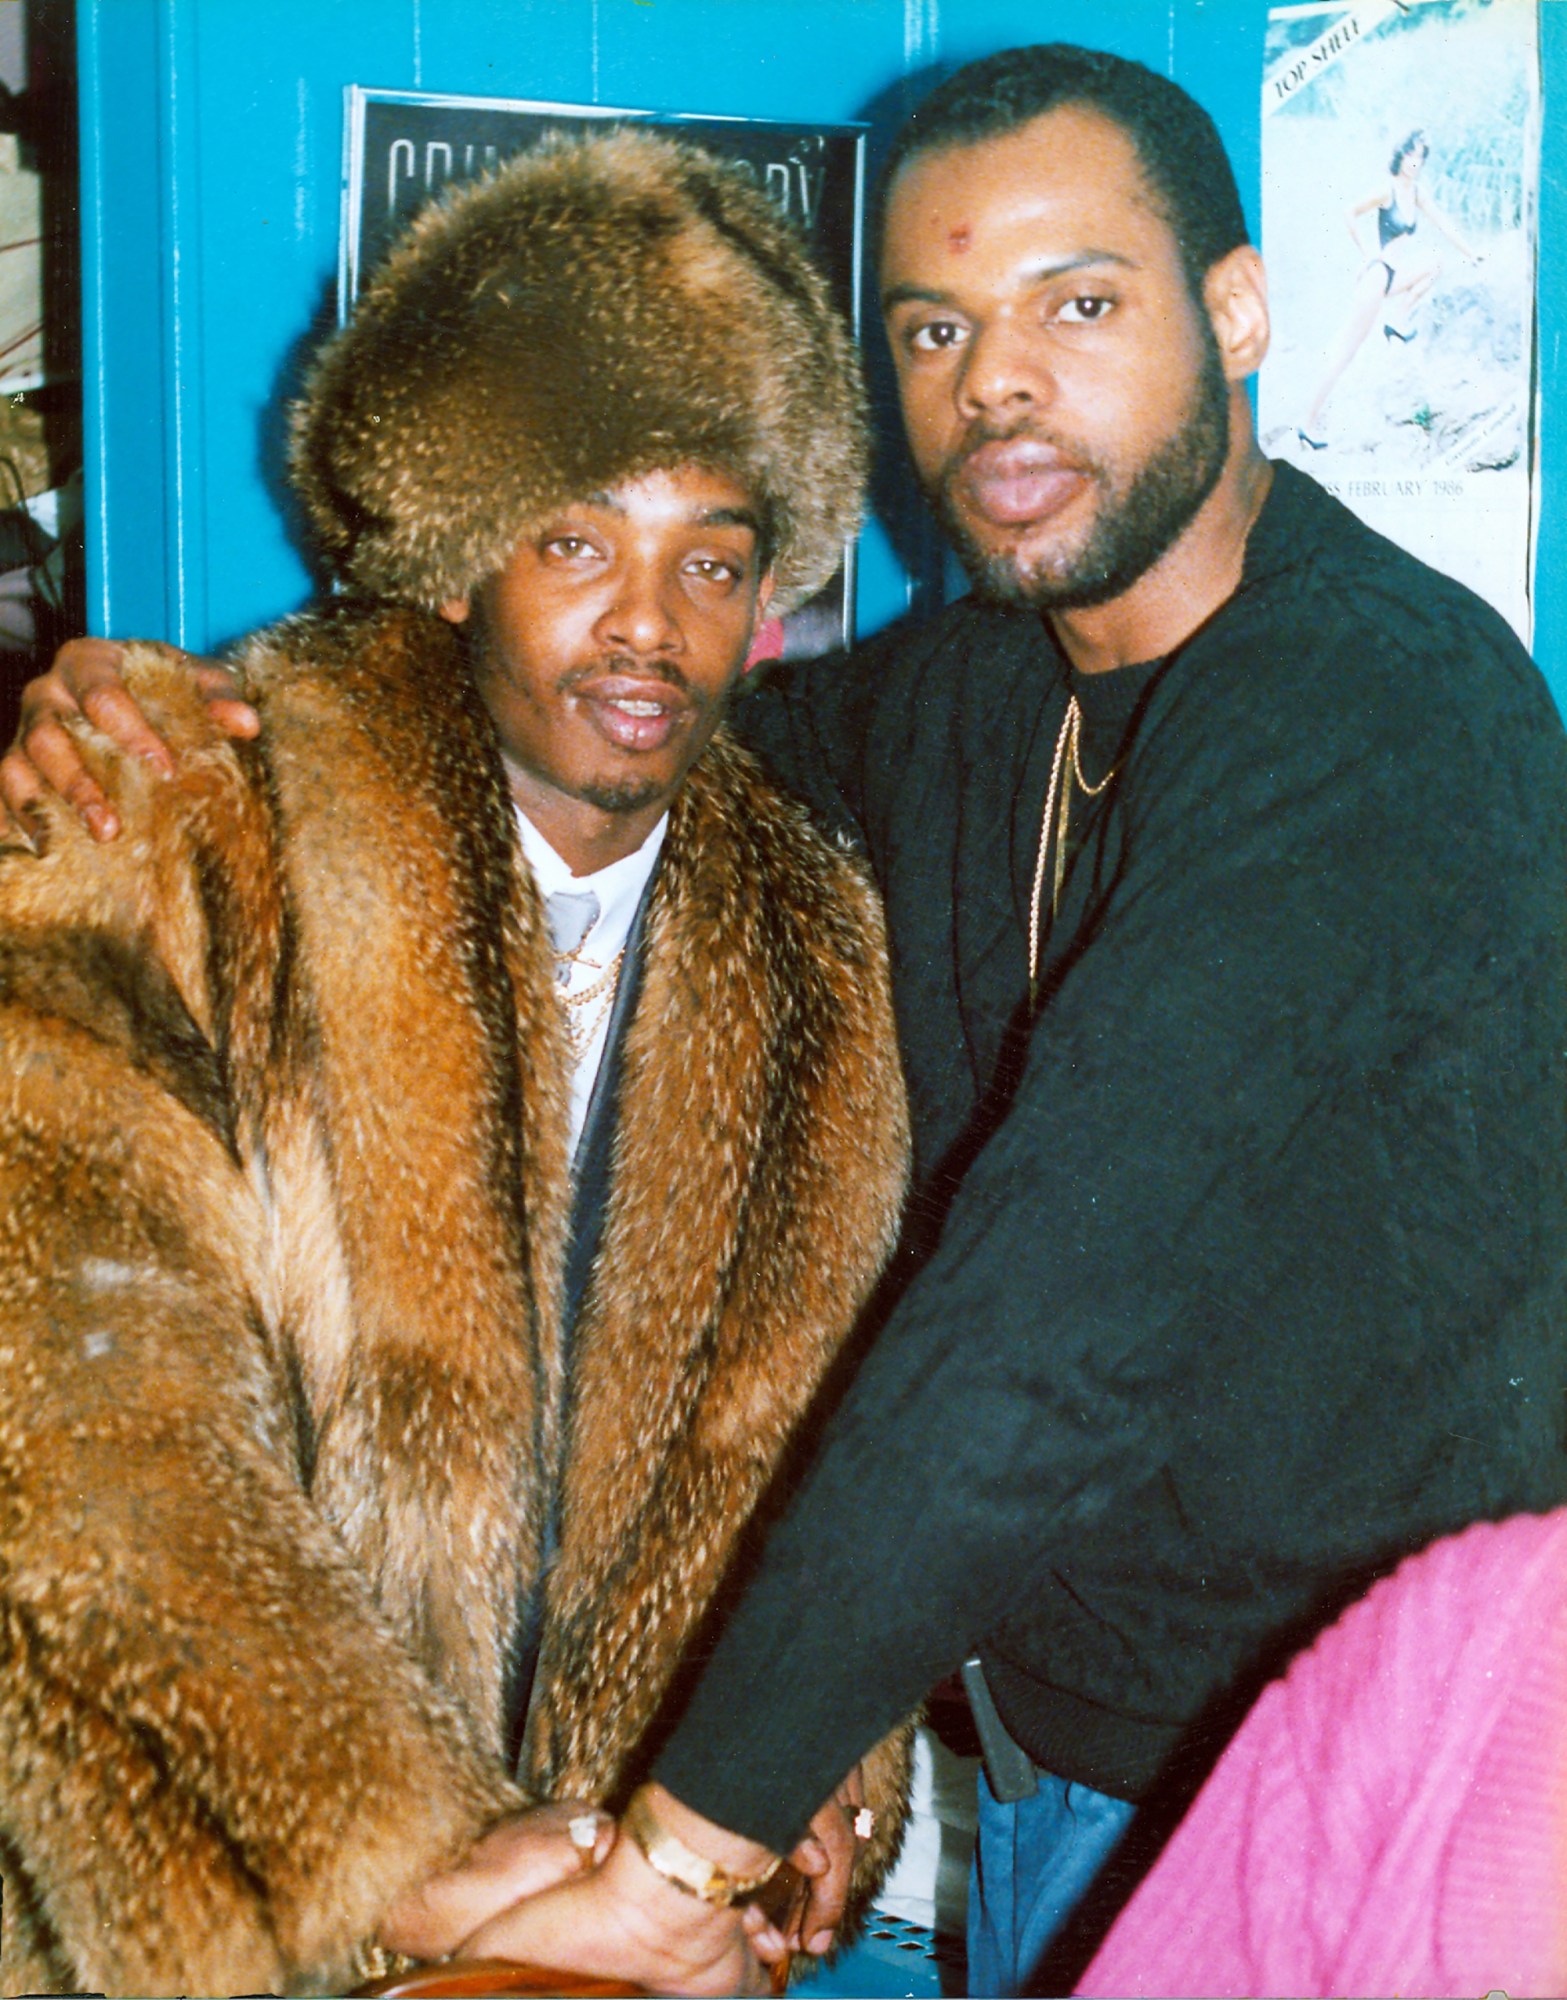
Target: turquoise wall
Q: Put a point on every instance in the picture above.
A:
(212, 142)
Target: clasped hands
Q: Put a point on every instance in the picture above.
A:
(611, 1914)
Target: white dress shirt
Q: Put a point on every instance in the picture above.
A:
(619, 890)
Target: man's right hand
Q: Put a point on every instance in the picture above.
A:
(86, 679)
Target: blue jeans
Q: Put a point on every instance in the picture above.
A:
(1034, 1863)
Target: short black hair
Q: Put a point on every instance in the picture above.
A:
(1401, 152)
(1178, 145)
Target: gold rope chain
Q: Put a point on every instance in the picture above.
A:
(584, 994)
(581, 1028)
(1065, 762)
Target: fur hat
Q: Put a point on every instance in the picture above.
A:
(599, 309)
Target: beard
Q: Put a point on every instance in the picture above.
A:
(625, 796)
(1139, 516)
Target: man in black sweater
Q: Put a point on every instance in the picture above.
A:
(1225, 854)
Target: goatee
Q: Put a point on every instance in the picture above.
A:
(1136, 523)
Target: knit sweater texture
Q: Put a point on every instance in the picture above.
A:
(1240, 1266)
(1391, 1818)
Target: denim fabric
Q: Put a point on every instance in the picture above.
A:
(1034, 1863)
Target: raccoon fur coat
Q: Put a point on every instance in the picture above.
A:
(283, 1200)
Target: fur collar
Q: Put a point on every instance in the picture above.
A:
(759, 1080)
(282, 1156)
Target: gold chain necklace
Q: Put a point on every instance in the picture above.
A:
(586, 993)
(580, 1027)
(1066, 772)
(574, 956)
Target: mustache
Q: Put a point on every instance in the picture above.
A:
(982, 431)
(604, 666)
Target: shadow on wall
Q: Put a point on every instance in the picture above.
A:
(895, 497)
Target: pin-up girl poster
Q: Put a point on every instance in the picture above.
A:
(1400, 148)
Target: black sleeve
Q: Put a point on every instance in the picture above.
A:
(819, 727)
(800, 720)
(1234, 1134)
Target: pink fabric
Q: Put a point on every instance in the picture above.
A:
(1392, 1816)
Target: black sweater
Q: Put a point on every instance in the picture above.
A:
(1248, 1258)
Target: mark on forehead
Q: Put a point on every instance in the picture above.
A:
(958, 240)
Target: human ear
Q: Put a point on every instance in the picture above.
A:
(766, 640)
(1235, 297)
(456, 609)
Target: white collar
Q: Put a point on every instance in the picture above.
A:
(618, 887)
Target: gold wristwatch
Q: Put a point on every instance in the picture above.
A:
(668, 1855)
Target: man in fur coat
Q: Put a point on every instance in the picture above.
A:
(407, 1302)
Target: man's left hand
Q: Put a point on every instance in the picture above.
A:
(519, 1858)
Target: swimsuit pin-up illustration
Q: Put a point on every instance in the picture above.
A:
(1394, 277)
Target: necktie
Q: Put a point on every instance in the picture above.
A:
(570, 918)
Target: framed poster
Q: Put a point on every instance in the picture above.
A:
(402, 147)
(1400, 149)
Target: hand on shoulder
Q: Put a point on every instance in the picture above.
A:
(87, 679)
